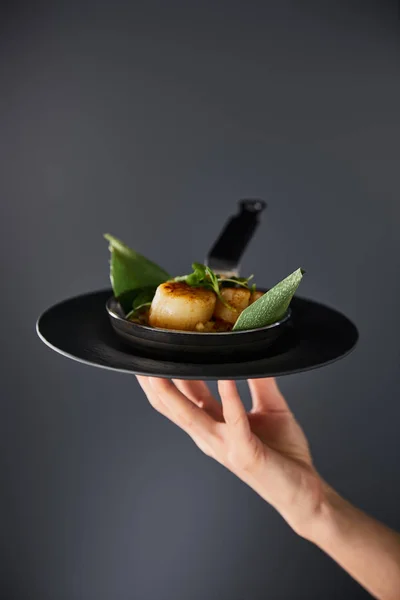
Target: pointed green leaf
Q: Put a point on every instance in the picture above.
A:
(143, 297)
(271, 306)
(129, 271)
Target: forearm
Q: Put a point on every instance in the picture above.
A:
(368, 550)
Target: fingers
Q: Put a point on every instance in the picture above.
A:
(228, 439)
(199, 393)
(152, 397)
(245, 452)
(195, 421)
(233, 410)
(192, 390)
(266, 396)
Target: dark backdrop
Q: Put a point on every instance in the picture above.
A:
(150, 120)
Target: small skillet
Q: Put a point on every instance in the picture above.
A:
(189, 346)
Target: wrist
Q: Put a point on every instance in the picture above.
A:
(326, 518)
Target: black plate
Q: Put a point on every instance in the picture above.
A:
(79, 328)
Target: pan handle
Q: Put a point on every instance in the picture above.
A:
(224, 256)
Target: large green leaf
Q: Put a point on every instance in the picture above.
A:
(130, 272)
(271, 306)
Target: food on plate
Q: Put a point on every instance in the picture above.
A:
(177, 305)
(255, 296)
(202, 301)
(234, 301)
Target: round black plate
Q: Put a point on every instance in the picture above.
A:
(79, 328)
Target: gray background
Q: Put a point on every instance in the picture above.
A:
(150, 120)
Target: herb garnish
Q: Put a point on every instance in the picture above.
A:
(203, 276)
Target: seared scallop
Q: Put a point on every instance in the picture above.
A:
(177, 305)
(237, 298)
(255, 296)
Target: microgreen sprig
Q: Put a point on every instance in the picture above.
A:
(203, 276)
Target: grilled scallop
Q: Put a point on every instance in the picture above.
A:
(237, 298)
(177, 305)
(255, 296)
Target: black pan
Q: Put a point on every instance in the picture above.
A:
(191, 346)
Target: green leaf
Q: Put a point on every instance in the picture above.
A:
(198, 275)
(130, 271)
(271, 306)
(199, 268)
(143, 297)
(196, 278)
(203, 276)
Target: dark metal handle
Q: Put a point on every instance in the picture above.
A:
(224, 257)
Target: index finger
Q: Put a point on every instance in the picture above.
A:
(234, 412)
(186, 414)
(199, 393)
(266, 396)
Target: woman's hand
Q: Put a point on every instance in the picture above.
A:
(266, 447)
